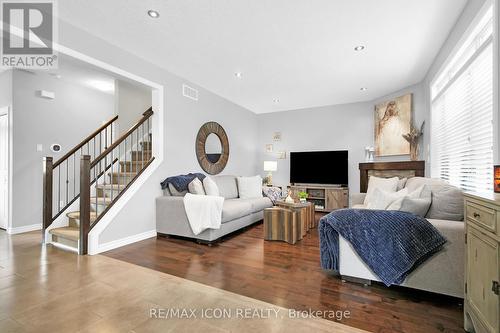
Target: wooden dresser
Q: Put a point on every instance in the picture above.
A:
(482, 271)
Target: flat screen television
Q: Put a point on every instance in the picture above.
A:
(319, 167)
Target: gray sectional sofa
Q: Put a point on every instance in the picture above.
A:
(237, 213)
(442, 273)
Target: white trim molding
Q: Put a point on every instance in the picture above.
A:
(25, 228)
(123, 241)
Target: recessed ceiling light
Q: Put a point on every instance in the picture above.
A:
(363, 89)
(153, 13)
(238, 75)
(276, 100)
(359, 48)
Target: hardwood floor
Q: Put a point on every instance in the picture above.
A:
(45, 289)
(290, 276)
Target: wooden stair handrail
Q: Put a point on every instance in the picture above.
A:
(145, 116)
(84, 141)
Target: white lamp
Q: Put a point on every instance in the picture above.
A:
(270, 166)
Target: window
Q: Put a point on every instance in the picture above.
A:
(462, 113)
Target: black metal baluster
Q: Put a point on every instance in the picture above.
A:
(125, 179)
(96, 180)
(105, 170)
(112, 183)
(142, 152)
(58, 189)
(137, 147)
(119, 165)
(67, 183)
(96, 196)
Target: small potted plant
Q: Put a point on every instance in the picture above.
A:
(303, 196)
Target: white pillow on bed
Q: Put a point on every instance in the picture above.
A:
(384, 184)
(383, 199)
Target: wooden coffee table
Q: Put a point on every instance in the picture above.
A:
(305, 212)
(288, 222)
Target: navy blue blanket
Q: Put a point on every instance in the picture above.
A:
(181, 182)
(391, 243)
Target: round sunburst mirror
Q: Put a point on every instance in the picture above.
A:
(212, 148)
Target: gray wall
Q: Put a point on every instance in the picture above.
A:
(339, 127)
(6, 88)
(131, 101)
(182, 121)
(75, 112)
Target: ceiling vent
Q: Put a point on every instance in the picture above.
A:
(189, 92)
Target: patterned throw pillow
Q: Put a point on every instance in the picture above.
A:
(273, 193)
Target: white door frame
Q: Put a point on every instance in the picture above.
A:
(7, 112)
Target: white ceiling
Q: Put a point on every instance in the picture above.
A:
(298, 51)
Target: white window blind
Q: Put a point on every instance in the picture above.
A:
(462, 114)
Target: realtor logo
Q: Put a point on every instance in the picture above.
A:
(28, 35)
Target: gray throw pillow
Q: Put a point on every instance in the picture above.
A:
(447, 203)
(176, 193)
(418, 206)
(196, 187)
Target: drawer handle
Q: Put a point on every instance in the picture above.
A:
(495, 287)
(476, 215)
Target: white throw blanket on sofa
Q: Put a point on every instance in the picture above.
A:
(203, 211)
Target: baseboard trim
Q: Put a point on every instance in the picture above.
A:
(23, 229)
(124, 241)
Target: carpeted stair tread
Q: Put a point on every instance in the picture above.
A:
(76, 216)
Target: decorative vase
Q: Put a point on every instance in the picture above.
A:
(369, 152)
(303, 200)
(289, 199)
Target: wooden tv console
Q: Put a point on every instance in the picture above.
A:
(326, 198)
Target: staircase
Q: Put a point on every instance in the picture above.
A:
(103, 175)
